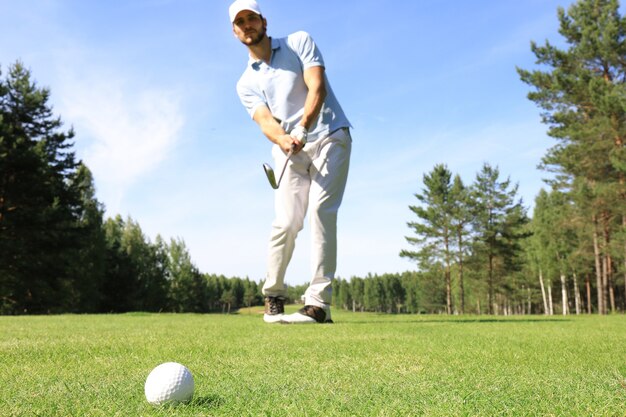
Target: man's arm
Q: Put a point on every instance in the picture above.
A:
(273, 130)
(316, 84)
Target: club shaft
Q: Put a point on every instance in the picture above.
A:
(285, 166)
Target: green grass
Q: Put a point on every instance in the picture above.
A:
(363, 365)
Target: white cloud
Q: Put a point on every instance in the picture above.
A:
(122, 134)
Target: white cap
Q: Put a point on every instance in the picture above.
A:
(240, 5)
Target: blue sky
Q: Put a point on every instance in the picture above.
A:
(149, 86)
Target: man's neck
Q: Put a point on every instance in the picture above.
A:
(262, 50)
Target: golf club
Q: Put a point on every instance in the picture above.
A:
(270, 172)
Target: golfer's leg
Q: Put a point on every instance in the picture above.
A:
(330, 173)
(291, 200)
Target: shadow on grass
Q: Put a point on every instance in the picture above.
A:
(460, 321)
(207, 401)
(197, 404)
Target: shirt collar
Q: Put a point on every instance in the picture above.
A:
(256, 63)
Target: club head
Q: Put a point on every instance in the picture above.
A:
(269, 172)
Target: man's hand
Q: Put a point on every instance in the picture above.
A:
(274, 131)
(288, 143)
(295, 140)
(299, 134)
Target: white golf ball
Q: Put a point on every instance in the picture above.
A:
(169, 382)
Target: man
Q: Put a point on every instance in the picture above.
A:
(285, 90)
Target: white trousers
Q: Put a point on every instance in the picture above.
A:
(315, 180)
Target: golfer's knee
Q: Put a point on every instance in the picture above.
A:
(325, 213)
(288, 228)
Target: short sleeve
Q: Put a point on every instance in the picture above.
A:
(250, 97)
(302, 43)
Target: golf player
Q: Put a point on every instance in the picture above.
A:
(286, 92)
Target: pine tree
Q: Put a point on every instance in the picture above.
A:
(251, 294)
(38, 207)
(498, 226)
(188, 288)
(410, 283)
(434, 229)
(120, 286)
(555, 234)
(537, 249)
(462, 217)
(87, 264)
(357, 290)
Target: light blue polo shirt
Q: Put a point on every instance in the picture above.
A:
(280, 85)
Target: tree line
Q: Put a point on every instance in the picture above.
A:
(58, 253)
(474, 233)
(571, 256)
(579, 225)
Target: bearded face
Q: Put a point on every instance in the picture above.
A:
(250, 28)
